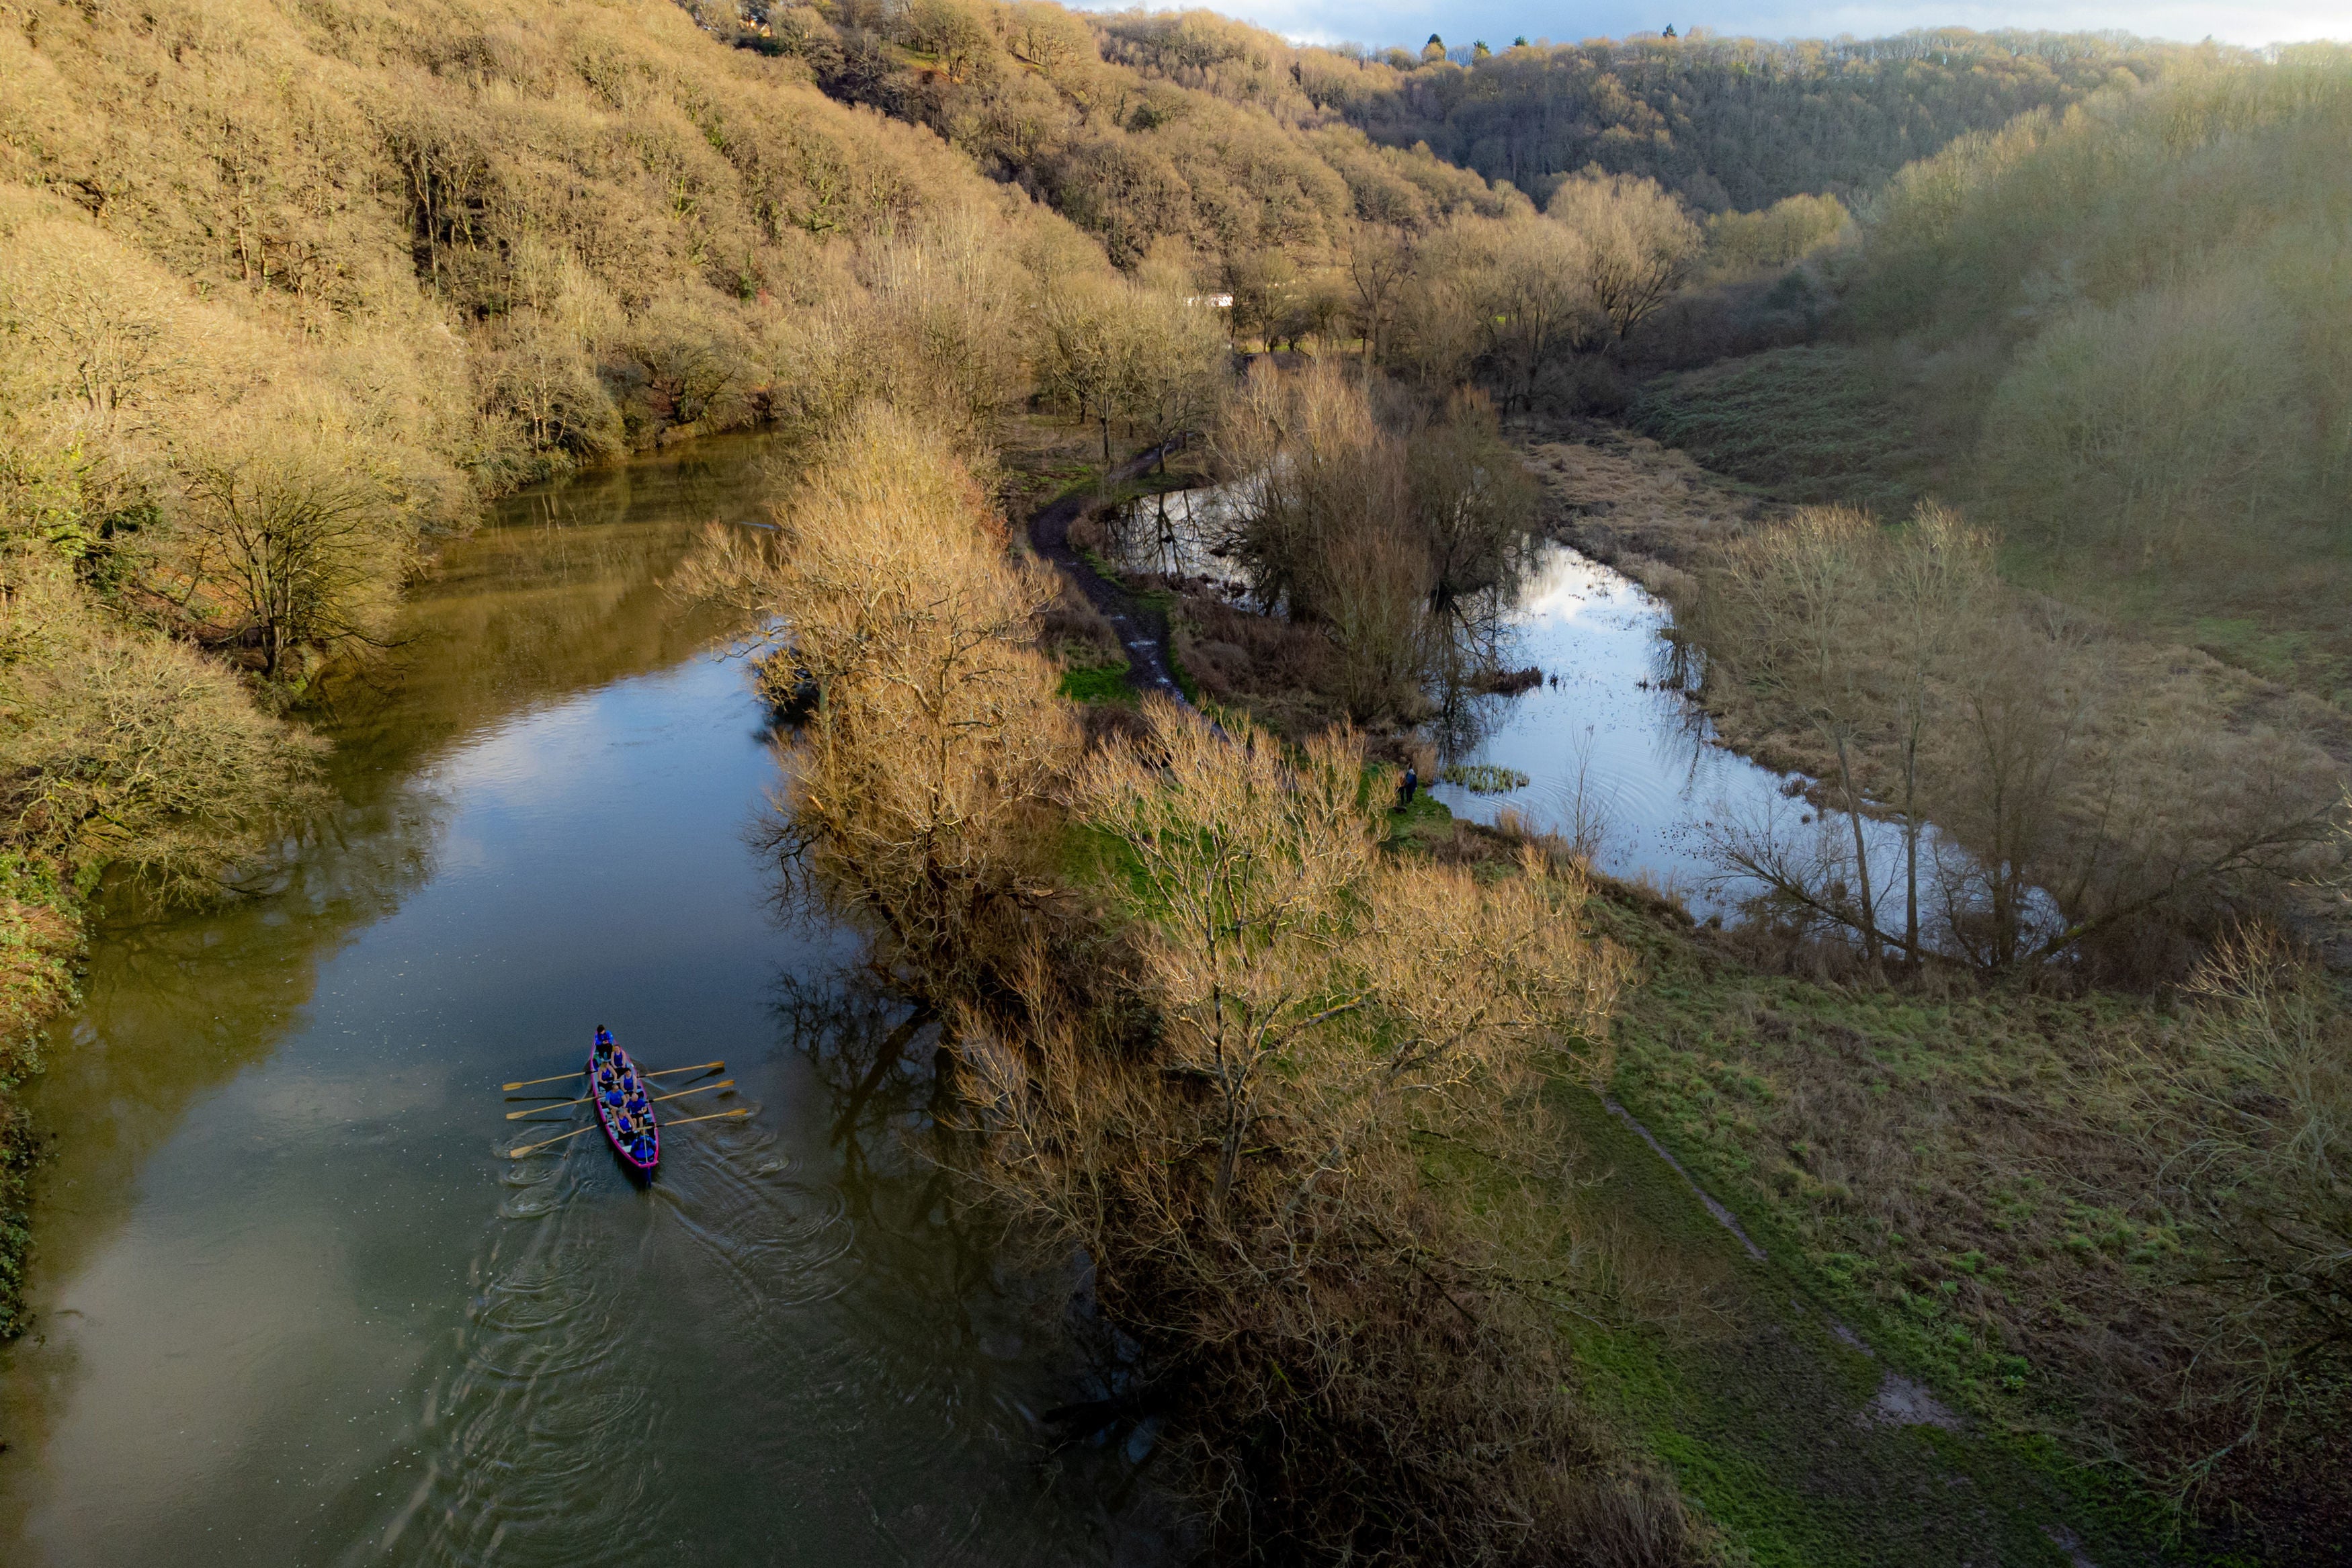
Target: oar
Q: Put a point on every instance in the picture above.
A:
(585, 1099)
(557, 1079)
(518, 1154)
(535, 1109)
(714, 1116)
(697, 1088)
(665, 1073)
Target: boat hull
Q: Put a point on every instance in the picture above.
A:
(608, 1116)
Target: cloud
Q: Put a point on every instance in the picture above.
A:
(1383, 23)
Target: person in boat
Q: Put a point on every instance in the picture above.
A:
(642, 1150)
(604, 1040)
(637, 1103)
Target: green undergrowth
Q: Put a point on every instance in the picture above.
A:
(1420, 825)
(1164, 602)
(1956, 1178)
(1766, 1411)
(1181, 676)
(1099, 684)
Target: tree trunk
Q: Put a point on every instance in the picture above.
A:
(1861, 854)
(1911, 845)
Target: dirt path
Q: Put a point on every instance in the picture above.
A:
(1142, 626)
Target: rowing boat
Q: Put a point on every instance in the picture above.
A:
(623, 1106)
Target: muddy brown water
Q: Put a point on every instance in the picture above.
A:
(295, 1303)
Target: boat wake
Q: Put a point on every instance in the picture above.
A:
(745, 1352)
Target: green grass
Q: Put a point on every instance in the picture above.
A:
(1760, 1418)
(1181, 676)
(1961, 1180)
(1163, 601)
(1420, 825)
(1099, 684)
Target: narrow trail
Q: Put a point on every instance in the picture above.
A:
(1142, 626)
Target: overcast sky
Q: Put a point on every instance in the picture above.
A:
(1380, 22)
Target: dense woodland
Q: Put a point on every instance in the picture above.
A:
(2027, 355)
(1732, 124)
(2120, 332)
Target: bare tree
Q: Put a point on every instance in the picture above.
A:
(286, 545)
(1540, 300)
(1379, 261)
(1787, 611)
(937, 728)
(133, 749)
(1642, 244)
(1939, 572)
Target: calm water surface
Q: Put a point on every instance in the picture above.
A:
(296, 1303)
(1608, 743)
(1616, 754)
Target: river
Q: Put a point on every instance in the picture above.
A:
(295, 1303)
(1611, 749)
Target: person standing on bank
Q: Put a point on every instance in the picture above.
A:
(1405, 787)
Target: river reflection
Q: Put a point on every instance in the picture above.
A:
(294, 1302)
(1619, 759)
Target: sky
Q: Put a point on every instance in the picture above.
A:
(1379, 23)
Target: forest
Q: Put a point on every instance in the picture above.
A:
(1980, 403)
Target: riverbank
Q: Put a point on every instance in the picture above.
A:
(1977, 1274)
(284, 1252)
(41, 942)
(2171, 792)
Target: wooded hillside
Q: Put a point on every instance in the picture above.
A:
(1729, 122)
(2117, 332)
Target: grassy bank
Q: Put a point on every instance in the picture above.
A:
(1987, 1184)
(1990, 1305)
(1972, 1300)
